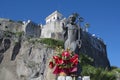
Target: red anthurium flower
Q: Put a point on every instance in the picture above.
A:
(74, 59)
(55, 57)
(73, 69)
(51, 65)
(57, 70)
(75, 56)
(66, 54)
(60, 61)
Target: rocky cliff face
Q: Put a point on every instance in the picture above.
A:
(23, 60)
(95, 48)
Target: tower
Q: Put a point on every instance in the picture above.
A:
(54, 17)
(53, 27)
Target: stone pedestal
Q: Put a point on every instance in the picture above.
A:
(68, 78)
(61, 78)
(86, 78)
(79, 78)
(64, 78)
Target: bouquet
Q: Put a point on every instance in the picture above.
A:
(64, 61)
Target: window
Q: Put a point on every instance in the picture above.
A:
(58, 18)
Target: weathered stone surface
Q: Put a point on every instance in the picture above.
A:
(23, 60)
(29, 28)
(95, 48)
(10, 25)
(30, 64)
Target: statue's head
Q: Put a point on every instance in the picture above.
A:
(72, 18)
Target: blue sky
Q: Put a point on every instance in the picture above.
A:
(103, 16)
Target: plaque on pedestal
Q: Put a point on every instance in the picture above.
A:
(61, 78)
(64, 78)
(86, 78)
(79, 78)
(68, 78)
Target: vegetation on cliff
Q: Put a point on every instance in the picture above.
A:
(51, 43)
(95, 73)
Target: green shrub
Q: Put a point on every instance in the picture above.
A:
(97, 73)
(85, 60)
(52, 42)
(19, 34)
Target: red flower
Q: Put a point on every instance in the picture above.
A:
(74, 59)
(51, 65)
(55, 57)
(73, 69)
(58, 60)
(57, 70)
(66, 54)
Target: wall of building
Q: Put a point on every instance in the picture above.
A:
(52, 30)
(53, 17)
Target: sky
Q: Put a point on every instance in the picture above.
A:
(102, 15)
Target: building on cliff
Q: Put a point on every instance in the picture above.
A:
(53, 27)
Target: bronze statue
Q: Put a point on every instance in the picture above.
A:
(72, 33)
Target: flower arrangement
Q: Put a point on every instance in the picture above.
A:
(64, 61)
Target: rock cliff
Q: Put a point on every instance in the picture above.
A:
(95, 48)
(23, 60)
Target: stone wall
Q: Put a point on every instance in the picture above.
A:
(10, 25)
(32, 29)
(95, 48)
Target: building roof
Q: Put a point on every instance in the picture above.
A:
(55, 12)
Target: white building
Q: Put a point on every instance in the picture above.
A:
(53, 26)
(53, 17)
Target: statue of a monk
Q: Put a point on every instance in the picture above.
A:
(71, 33)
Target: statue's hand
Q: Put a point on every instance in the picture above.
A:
(79, 43)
